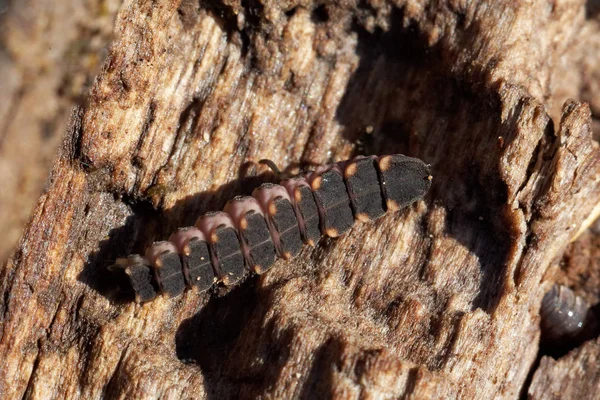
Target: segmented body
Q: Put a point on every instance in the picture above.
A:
(566, 317)
(252, 231)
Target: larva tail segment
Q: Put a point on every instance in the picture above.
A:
(252, 231)
(140, 276)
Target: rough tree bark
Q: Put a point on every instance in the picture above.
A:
(50, 52)
(440, 300)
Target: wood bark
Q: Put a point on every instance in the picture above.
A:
(574, 376)
(438, 301)
(50, 52)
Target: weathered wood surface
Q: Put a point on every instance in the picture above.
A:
(574, 376)
(440, 300)
(50, 52)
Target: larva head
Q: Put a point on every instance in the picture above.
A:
(404, 180)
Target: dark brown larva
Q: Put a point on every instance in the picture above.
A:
(275, 221)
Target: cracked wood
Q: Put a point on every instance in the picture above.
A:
(441, 300)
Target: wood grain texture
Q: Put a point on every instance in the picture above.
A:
(49, 54)
(439, 300)
(574, 376)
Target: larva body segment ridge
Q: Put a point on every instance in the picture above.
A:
(333, 200)
(566, 320)
(255, 238)
(305, 207)
(225, 250)
(281, 219)
(252, 231)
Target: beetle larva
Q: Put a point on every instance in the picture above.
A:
(252, 231)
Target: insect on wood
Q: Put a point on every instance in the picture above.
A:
(566, 320)
(253, 231)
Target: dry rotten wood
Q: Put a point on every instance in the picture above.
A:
(575, 376)
(568, 368)
(49, 54)
(440, 300)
